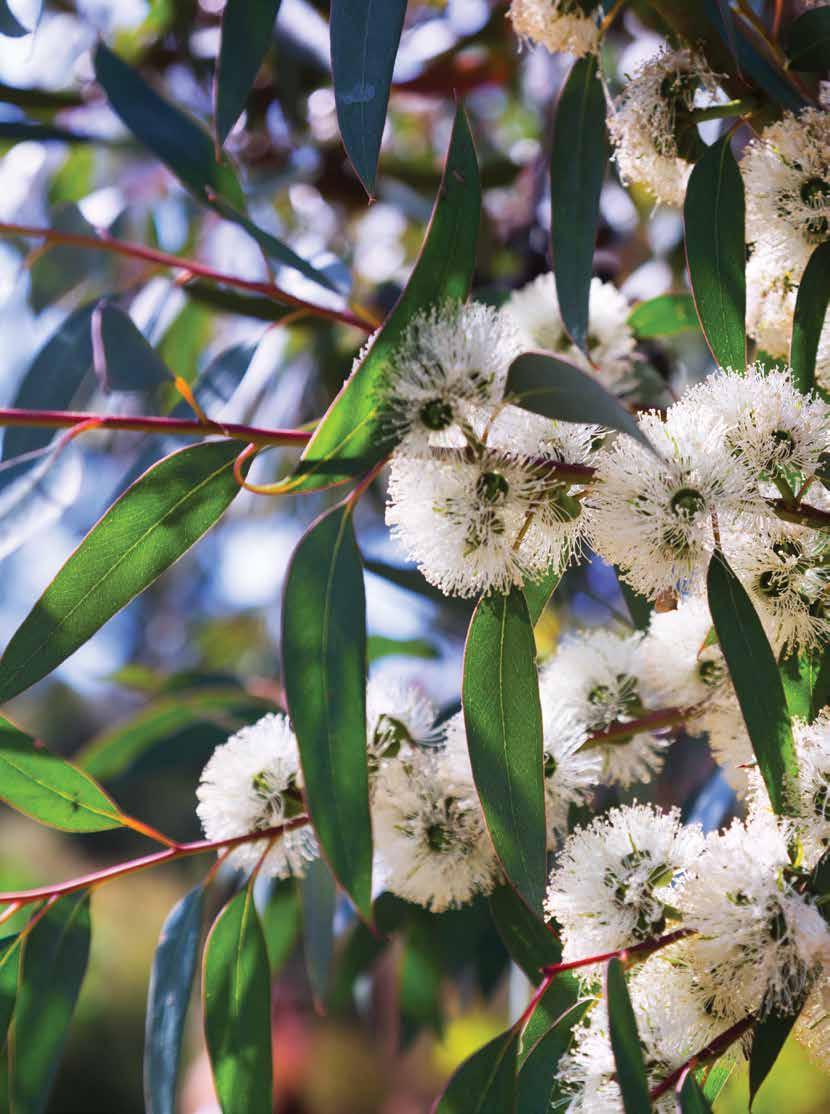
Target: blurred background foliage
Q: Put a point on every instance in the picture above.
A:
(197, 655)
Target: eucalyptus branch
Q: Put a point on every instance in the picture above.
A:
(711, 1052)
(621, 730)
(636, 951)
(132, 866)
(103, 242)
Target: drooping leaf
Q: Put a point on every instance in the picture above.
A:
(50, 789)
(123, 358)
(486, 1082)
(810, 312)
(53, 966)
(808, 43)
(10, 952)
(554, 388)
(10, 25)
(353, 435)
(664, 316)
(223, 298)
(318, 893)
(156, 520)
(690, 1099)
(578, 160)
(538, 592)
(639, 608)
(503, 718)
(757, 682)
(364, 42)
(769, 1037)
(379, 646)
(237, 1007)
(281, 918)
(247, 26)
(419, 986)
(806, 678)
(174, 136)
(324, 673)
(171, 983)
(545, 1039)
(716, 253)
(529, 942)
(625, 1042)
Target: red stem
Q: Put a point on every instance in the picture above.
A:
(644, 947)
(710, 1052)
(103, 242)
(654, 721)
(177, 851)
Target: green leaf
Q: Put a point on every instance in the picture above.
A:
(256, 306)
(10, 952)
(379, 646)
(716, 253)
(237, 992)
(217, 712)
(53, 966)
(10, 25)
(364, 42)
(716, 1078)
(50, 789)
(175, 137)
(806, 680)
(690, 1099)
(247, 26)
(577, 168)
(808, 44)
(503, 717)
(639, 608)
(171, 983)
(153, 523)
(625, 1042)
(486, 1082)
(546, 1038)
(281, 919)
(810, 312)
(529, 942)
(664, 316)
(757, 682)
(419, 989)
(538, 592)
(324, 673)
(769, 1037)
(318, 894)
(353, 436)
(124, 359)
(557, 389)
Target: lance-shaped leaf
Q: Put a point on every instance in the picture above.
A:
(123, 358)
(503, 718)
(690, 1098)
(324, 672)
(808, 43)
(558, 389)
(768, 1039)
(353, 434)
(364, 42)
(486, 1082)
(810, 312)
(529, 942)
(246, 34)
(10, 25)
(663, 316)
(716, 252)
(318, 894)
(50, 789)
(545, 1039)
(153, 523)
(757, 682)
(237, 1008)
(174, 136)
(171, 983)
(10, 952)
(577, 167)
(538, 592)
(625, 1042)
(53, 966)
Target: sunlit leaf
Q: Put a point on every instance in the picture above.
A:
(246, 35)
(538, 592)
(664, 316)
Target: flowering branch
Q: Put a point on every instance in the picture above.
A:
(644, 948)
(132, 866)
(711, 1052)
(621, 730)
(104, 242)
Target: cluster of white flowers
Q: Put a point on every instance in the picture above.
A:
(559, 25)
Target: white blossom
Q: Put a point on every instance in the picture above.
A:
(559, 25)
(812, 1029)
(398, 717)
(250, 783)
(571, 769)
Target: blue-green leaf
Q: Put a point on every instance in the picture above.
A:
(810, 312)
(124, 359)
(246, 35)
(486, 1082)
(318, 894)
(625, 1042)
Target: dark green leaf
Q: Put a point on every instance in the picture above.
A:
(63, 270)
(419, 990)
(538, 592)
(246, 35)
(352, 436)
(281, 919)
(690, 1098)
(223, 298)
(810, 312)
(379, 646)
(175, 137)
(50, 789)
(808, 44)
(53, 966)
(324, 673)
(664, 316)
(625, 1042)
(237, 992)
(716, 253)
(141, 535)
(364, 42)
(10, 952)
(171, 983)
(10, 25)
(557, 389)
(757, 682)
(577, 168)
(319, 900)
(486, 1082)
(769, 1037)
(124, 360)
(545, 1040)
(529, 942)
(503, 718)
